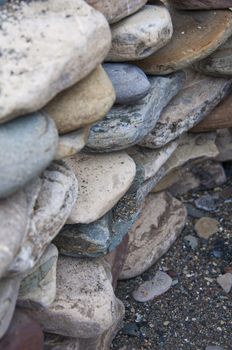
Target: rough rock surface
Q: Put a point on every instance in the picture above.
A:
(197, 99)
(71, 143)
(27, 145)
(124, 126)
(194, 38)
(161, 221)
(141, 34)
(224, 145)
(50, 201)
(103, 180)
(205, 227)
(84, 103)
(35, 70)
(202, 4)
(129, 82)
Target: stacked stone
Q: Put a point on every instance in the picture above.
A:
(88, 150)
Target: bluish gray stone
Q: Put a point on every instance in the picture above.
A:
(27, 146)
(130, 82)
(124, 126)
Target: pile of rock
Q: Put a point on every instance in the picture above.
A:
(87, 152)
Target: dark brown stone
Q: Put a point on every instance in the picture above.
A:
(23, 334)
(201, 4)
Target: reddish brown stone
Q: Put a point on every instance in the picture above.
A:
(201, 4)
(23, 334)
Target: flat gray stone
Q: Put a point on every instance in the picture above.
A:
(34, 70)
(224, 145)
(125, 126)
(50, 200)
(225, 282)
(39, 286)
(129, 82)
(13, 227)
(8, 294)
(27, 146)
(198, 97)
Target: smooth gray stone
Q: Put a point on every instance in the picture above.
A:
(102, 236)
(27, 146)
(196, 100)
(124, 126)
(130, 82)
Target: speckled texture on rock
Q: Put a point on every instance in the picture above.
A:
(197, 99)
(159, 224)
(201, 4)
(13, 226)
(194, 38)
(103, 180)
(85, 304)
(124, 126)
(84, 103)
(141, 34)
(114, 10)
(129, 82)
(33, 71)
(71, 143)
(27, 146)
(50, 200)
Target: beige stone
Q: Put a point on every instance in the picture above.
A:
(71, 143)
(114, 10)
(205, 227)
(84, 103)
(159, 224)
(85, 304)
(46, 46)
(141, 34)
(103, 180)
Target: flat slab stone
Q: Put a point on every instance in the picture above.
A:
(8, 294)
(141, 34)
(39, 286)
(85, 304)
(129, 82)
(114, 10)
(13, 226)
(33, 71)
(194, 102)
(125, 126)
(194, 38)
(219, 63)
(71, 143)
(84, 103)
(23, 333)
(103, 180)
(27, 145)
(161, 221)
(201, 4)
(50, 201)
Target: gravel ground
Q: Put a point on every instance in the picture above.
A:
(195, 312)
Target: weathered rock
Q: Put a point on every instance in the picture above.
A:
(85, 304)
(191, 241)
(116, 10)
(189, 107)
(125, 126)
(194, 38)
(225, 281)
(129, 82)
(27, 145)
(206, 227)
(214, 347)
(39, 286)
(160, 284)
(141, 34)
(224, 145)
(23, 333)
(8, 294)
(13, 226)
(84, 103)
(201, 4)
(219, 63)
(103, 180)
(34, 71)
(159, 224)
(72, 143)
(50, 201)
